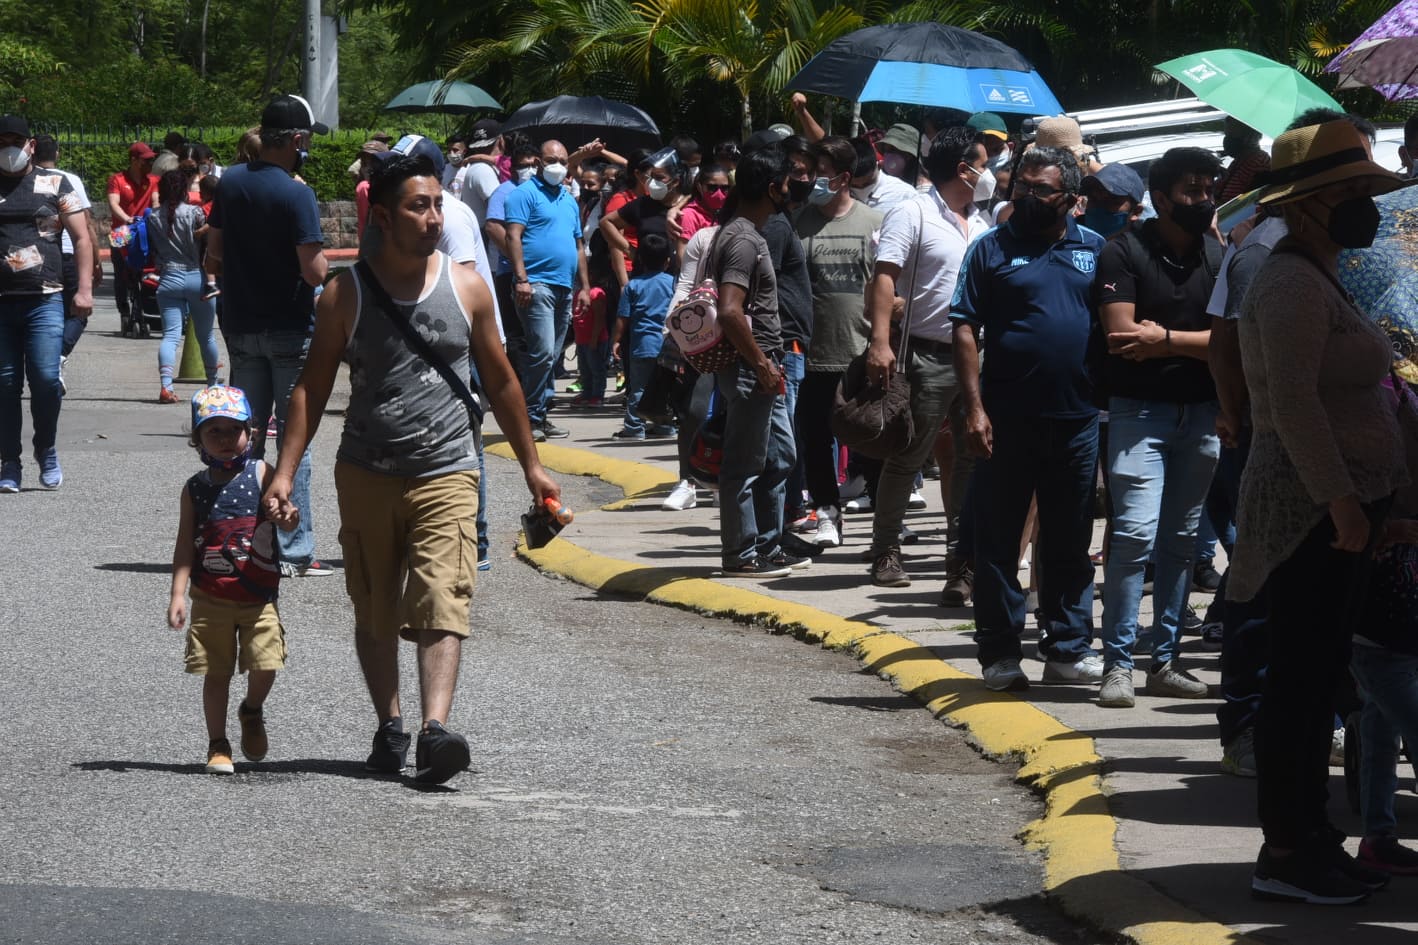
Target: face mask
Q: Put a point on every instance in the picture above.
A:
(1104, 222)
(863, 193)
(1033, 216)
(204, 169)
(525, 174)
(1000, 161)
(822, 193)
(14, 159)
(1193, 219)
(798, 190)
(554, 173)
(301, 156)
(657, 189)
(235, 464)
(455, 159)
(894, 164)
(590, 196)
(607, 190)
(1354, 222)
(984, 185)
(714, 200)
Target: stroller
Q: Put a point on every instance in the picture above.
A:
(141, 285)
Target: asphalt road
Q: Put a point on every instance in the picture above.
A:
(641, 775)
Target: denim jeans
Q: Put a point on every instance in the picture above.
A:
(1055, 459)
(638, 372)
(758, 454)
(932, 377)
(1389, 681)
(794, 366)
(1161, 457)
(544, 324)
(594, 362)
(266, 366)
(73, 327)
(31, 336)
(511, 324)
(181, 290)
(692, 396)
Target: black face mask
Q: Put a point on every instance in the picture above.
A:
(799, 189)
(1193, 219)
(1353, 223)
(1032, 216)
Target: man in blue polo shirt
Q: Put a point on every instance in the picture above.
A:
(1027, 285)
(265, 242)
(543, 223)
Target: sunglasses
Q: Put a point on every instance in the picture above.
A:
(716, 188)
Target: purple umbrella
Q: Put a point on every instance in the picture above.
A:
(1385, 56)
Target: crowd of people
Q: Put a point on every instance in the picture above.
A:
(1060, 323)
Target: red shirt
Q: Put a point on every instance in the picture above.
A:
(131, 199)
(631, 235)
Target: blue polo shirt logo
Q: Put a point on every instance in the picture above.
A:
(1084, 261)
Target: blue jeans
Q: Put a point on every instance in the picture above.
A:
(758, 454)
(1389, 681)
(594, 362)
(1055, 459)
(1161, 457)
(178, 291)
(31, 336)
(638, 372)
(794, 368)
(544, 324)
(266, 366)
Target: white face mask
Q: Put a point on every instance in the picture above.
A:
(554, 173)
(14, 159)
(1002, 160)
(984, 185)
(657, 189)
(525, 174)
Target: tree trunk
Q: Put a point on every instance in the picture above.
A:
(202, 40)
(747, 114)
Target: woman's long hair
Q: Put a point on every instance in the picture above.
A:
(172, 193)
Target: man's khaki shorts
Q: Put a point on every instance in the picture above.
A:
(411, 549)
(225, 635)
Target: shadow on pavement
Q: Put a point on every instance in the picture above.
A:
(138, 567)
(331, 766)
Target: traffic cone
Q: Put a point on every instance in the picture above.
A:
(191, 369)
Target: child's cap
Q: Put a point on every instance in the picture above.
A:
(220, 401)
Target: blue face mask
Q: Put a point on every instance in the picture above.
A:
(235, 464)
(1104, 222)
(821, 194)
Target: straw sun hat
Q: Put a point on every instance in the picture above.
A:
(1309, 159)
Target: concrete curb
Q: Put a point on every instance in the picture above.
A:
(1076, 832)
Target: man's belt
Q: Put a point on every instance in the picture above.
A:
(938, 349)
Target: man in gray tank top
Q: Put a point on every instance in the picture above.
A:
(407, 470)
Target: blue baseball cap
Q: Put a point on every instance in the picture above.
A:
(415, 146)
(1120, 181)
(220, 401)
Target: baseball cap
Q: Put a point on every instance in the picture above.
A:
(903, 137)
(374, 146)
(765, 138)
(416, 146)
(485, 132)
(781, 130)
(988, 123)
(291, 111)
(1119, 180)
(140, 150)
(14, 125)
(220, 401)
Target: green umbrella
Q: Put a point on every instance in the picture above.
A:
(453, 98)
(1254, 90)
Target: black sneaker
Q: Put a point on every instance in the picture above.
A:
(391, 747)
(795, 546)
(1211, 637)
(1191, 620)
(1363, 873)
(757, 568)
(440, 755)
(786, 559)
(1304, 876)
(1205, 577)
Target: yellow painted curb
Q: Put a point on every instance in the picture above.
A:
(1076, 832)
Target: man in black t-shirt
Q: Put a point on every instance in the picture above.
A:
(1152, 286)
(35, 205)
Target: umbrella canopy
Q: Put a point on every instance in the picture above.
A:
(576, 119)
(1384, 278)
(1257, 91)
(453, 98)
(927, 64)
(1384, 56)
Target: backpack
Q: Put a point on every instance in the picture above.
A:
(135, 252)
(694, 323)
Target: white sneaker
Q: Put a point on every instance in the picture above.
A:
(682, 497)
(1005, 676)
(1088, 669)
(861, 503)
(916, 502)
(829, 527)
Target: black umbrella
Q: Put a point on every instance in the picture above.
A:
(927, 64)
(576, 119)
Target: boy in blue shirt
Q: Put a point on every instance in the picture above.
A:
(640, 329)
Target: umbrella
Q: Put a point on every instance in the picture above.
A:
(576, 119)
(1384, 278)
(454, 98)
(1384, 56)
(1254, 90)
(927, 64)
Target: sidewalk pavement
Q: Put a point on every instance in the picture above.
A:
(1147, 837)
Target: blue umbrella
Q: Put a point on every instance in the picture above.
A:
(927, 64)
(1384, 278)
